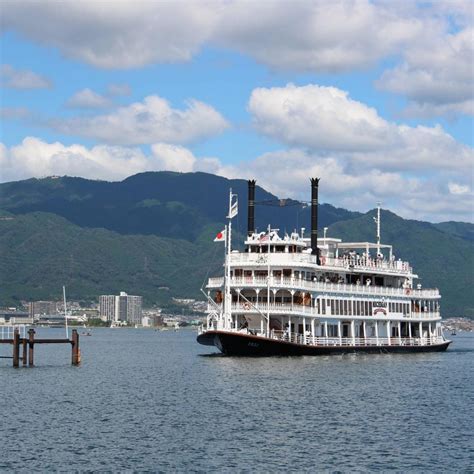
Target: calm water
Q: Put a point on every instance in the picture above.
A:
(156, 401)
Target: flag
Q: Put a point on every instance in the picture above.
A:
(234, 208)
(220, 237)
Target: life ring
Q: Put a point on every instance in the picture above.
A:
(246, 306)
(408, 291)
(322, 260)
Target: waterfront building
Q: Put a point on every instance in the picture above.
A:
(40, 308)
(123, 308)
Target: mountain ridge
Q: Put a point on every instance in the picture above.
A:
(146, 243)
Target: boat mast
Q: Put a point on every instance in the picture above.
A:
(377, 221)
(233, 210)
(268, 283)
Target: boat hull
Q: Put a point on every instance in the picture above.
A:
(238, 344)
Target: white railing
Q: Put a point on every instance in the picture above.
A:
(337, 341)
(279, 308)
(8, 331)
(296, 283)
(367, 264)
(356, 341)
(244, 307)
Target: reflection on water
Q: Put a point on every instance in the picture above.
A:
(147, 400)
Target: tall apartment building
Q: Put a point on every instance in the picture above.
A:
(107, 307)
(124, 308)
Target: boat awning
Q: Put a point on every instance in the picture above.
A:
(363, 245)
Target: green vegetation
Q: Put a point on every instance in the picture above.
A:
(152, 235)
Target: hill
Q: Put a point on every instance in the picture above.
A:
(41, 252)
(151, 234)
(168, 204)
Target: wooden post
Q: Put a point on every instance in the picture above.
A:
(75, 348)
(16, 348)
(31, 345)
(25, 352)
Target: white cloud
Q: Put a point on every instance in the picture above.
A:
(173, 157)
(88, 99)
(115, 90)
(122, 34)
(34, 157)
(434, 197)
(22, 79)
(286, 174)
(456, 188)
(314, 116)
(317, 36)
(430, 41)
(326, 119)
(437, 76)
(152, 120)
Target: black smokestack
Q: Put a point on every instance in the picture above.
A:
(251, 208)
(314, 218)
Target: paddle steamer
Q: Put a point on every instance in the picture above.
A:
(292, 295)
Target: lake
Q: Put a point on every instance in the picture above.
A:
(145, 400)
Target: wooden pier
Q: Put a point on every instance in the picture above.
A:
(27, 346)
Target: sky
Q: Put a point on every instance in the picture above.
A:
(375, 98)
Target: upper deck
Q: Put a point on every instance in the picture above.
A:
(294, 250)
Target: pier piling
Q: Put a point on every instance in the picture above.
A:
(16, 348)
(24, 343)
(31, 345)
(76, 358)
(28, 346)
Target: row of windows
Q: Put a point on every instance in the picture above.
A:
(358, 307)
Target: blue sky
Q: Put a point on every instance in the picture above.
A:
(376, 98)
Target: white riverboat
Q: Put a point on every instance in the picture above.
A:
(292, 295)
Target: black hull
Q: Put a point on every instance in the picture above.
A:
(237, 344)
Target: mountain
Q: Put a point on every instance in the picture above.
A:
(464, 230)
(42, 251)
(168, 204)
(152, 233)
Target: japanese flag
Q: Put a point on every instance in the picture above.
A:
(220, 237)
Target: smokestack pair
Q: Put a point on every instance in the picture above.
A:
(314, 214)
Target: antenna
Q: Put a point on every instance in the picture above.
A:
(377, 221)
(65, 311)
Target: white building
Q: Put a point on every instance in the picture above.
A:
(124, 308)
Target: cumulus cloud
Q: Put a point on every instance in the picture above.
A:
(34, 157)
(432, 196)
(287, 173)
(326, 119)
(317, 36)
(152, 120)
(430, 41)
(437, 79)
(129, 33)
(22, 79)
(314, 116)
(88, 99)
(314, 36)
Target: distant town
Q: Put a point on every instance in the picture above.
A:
(122, 310)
